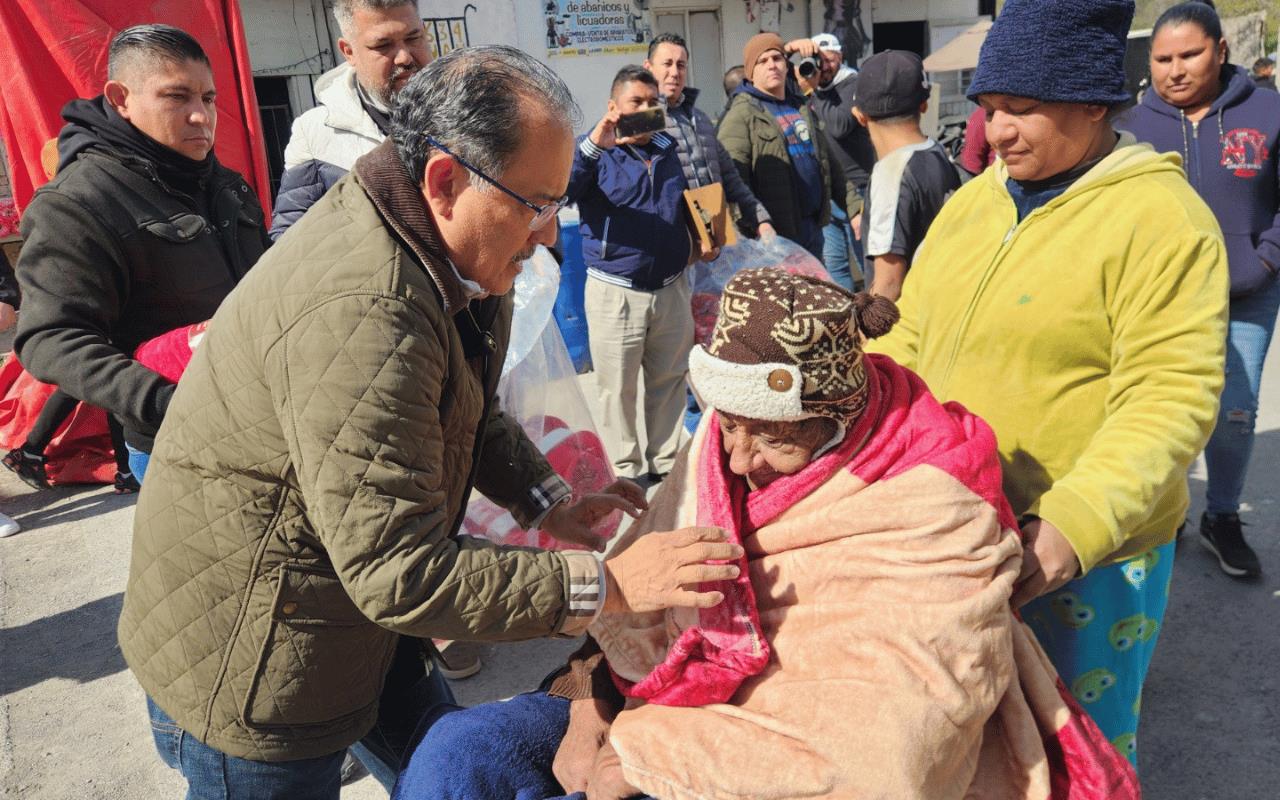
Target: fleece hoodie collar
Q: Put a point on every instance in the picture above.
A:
(1129, 159)
(1238, 88)
(750, 90)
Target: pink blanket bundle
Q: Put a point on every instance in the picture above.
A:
(170, 353)
(707, 662)
(869, 650)
(579, 457)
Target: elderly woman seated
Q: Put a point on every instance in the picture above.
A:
(867, 649)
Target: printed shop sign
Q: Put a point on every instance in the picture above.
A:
(591, 27)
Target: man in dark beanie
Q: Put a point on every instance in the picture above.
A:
(1075, 295)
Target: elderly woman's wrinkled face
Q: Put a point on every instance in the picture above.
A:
(763, 451)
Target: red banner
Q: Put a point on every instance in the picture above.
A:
(54, 51)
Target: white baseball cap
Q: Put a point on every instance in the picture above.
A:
(827, 41)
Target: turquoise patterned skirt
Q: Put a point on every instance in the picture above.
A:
(1100, 632)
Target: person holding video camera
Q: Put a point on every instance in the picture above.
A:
(830, 84)
(629, 185)
(777, 143)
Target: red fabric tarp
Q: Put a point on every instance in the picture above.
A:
(53, 51)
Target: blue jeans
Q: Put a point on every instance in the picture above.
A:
(837, 239)
(138, 462)
(214, 775)
(1252, 321)
(408, 698)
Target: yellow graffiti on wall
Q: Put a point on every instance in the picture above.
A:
(446, 34)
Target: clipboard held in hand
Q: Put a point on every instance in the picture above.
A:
(709, 219)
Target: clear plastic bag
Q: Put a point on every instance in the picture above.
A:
(540, 390)
(709, 278)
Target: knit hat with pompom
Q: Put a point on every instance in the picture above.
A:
(789, 347)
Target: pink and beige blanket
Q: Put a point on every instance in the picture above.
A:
(869, 650)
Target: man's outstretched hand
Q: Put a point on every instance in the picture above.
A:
(663, 570)
(572, 523)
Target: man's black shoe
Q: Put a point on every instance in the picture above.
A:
(29, 468)
(1223, 535)
(126, 483)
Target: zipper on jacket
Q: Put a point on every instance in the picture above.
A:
(967, 317)
(604, 239)
(490, 347)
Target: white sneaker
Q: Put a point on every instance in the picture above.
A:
(8, 526)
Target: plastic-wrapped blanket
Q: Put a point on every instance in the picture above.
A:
(539, 389)
(709, 278)
(880, 576)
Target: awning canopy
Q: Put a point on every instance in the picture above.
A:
(961, 52)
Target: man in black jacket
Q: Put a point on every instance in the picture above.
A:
(140, 232)
(832, 96)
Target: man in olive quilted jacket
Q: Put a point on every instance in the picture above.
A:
(295, 539)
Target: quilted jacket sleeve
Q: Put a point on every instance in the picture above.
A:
(300, 187)
(359, 403)
(515, 474)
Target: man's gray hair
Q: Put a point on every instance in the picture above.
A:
(344, 11)
(473, 101)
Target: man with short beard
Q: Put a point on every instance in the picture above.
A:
(384, 44)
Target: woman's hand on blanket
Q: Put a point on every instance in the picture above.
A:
(607, 781)
(573, 522)
(588, 731)
(1048, 562)
(658, 569)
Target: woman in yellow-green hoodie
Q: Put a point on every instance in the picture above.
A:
(1075, 296)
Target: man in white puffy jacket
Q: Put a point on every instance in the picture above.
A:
(384, 44)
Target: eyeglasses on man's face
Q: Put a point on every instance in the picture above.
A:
(542, 214)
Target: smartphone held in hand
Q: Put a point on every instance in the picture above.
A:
(650, 120)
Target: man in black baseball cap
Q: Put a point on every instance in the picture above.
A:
(912, 177)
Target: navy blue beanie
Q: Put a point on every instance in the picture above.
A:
(1064, 51)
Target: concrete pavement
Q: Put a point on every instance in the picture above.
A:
(73, 725)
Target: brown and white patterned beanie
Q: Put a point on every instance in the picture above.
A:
(788, 347)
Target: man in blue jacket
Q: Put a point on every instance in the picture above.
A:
(636, 246)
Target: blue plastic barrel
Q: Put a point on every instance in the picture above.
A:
(570, 311)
